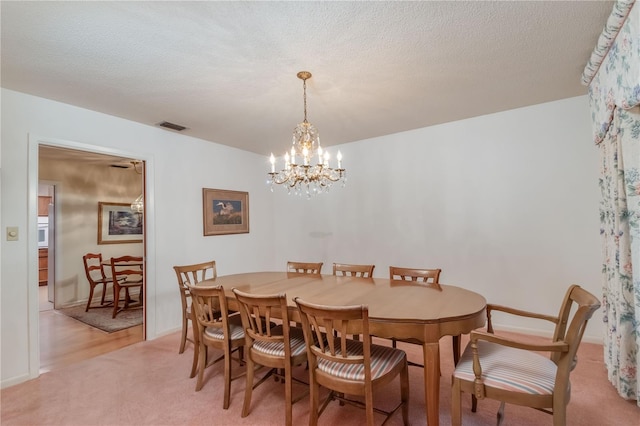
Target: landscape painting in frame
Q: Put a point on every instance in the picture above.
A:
(225, 212)
(118, 224)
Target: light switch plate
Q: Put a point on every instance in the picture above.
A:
(12, 233)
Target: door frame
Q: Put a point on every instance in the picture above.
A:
(149, 313)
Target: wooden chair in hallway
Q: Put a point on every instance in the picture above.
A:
(344, 269)
(305, 267)
(280, 348)
(96, 276)
(127, 273)
(514, 371)
(217, 329)
(191, 274)
(349, 367)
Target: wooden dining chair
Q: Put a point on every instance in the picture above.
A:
(514, 371)
(215, 328)
(305, 267)
(349, 367)
(96, 276)
(280, 348)
(430, 278)
(127, 274)
(344, 269)
(191, 274)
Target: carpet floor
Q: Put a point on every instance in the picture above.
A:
(148, 384)
(101, 318)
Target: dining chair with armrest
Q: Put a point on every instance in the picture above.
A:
(350, 270)
(430, 278)
(217, 329)
(305, 267)
(127, 274)
(279, 348)
(349, 367)
(191, 274)
(96, 276)
(512, 370)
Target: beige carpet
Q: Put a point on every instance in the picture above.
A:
(101, 318)
(147, 384)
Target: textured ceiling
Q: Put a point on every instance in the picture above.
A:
(227, 70)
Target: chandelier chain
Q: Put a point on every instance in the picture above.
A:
(304, 90)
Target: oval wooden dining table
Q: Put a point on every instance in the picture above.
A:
(398, 309)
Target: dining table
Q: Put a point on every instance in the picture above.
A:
(397, 309)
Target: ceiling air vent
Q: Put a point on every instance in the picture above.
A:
(172, 126)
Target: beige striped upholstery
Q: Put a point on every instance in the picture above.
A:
(296, 337)
(383, 360)
(515, 370)
(349, 367)
(236, 331)
(530, 372)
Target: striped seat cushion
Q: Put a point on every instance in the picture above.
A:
(511, 369)
(277, 348)
(235, 328)
(383, 359)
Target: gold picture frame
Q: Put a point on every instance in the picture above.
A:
(118, 224)
(224, 212)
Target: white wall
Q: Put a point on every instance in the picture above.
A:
(505, 204)
(178, 168)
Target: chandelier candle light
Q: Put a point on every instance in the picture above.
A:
(307, 177)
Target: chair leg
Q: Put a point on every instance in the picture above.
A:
(288, 395)
(183, 339)
(404, 393)
(456, 349)
(456, 414)
(227, 376)
(368, 398)
(474, 403)
(196, 347)
(248, 386)
(104, 293)
(313, 401)
(116, 299)
(90, 298)
(202, 364)
(500, 414)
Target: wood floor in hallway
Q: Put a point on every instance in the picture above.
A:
(65, 341)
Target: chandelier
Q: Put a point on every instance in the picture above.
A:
(306, 167)
(138, 204)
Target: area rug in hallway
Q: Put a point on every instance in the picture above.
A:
(101, 317)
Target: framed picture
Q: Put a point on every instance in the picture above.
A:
(118, 224)
(225, 212)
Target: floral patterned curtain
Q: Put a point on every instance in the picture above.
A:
(620, 230)
(613, 76)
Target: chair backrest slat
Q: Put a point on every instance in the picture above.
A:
(210, 305)
(352, 270)
(195, 273)
(318, 320)
(305, 267)
(257, 312)
(429, 277)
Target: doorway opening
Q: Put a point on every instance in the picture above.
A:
(79, 182)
